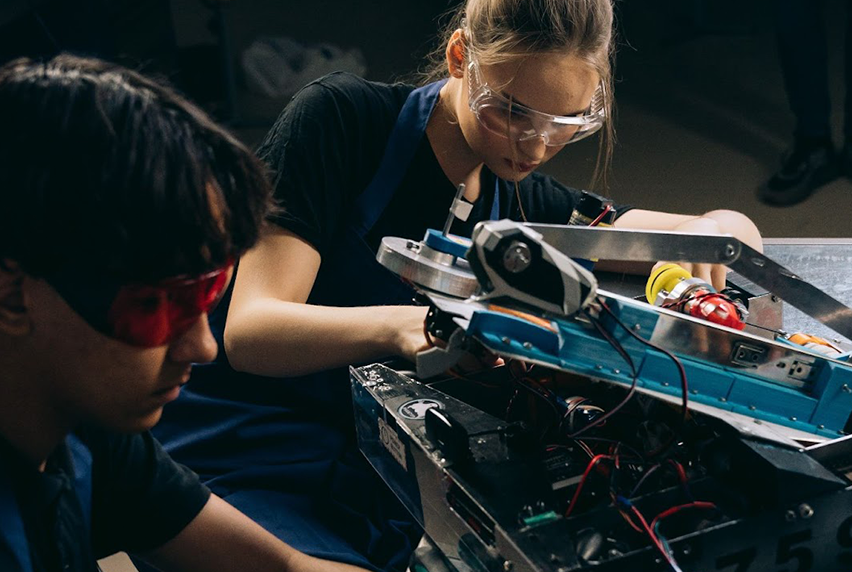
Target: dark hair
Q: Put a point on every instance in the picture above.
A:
(105, 170)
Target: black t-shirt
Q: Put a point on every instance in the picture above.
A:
(326, 147)
(140, 500)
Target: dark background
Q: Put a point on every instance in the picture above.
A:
(702, 117)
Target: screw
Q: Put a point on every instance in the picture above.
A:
(752, 407)
(554, 559)
(805, 511)
(528, 345)
(637, 327)
(508, 565)
(665, 384)
(616, 371)
(598, 367)
(693, 391)
(774, 298)
(789, 516)
(793, 419)
(723, 399)
(729, 250)
(758, 422)
(517, 257)
(506, 340)
(439, 333)
(411, 245)
(820, 426)
(687, 550)
(845, 388)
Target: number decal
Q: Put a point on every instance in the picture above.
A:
(742, 560)
(801, 554)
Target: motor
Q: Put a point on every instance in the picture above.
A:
(671, 286)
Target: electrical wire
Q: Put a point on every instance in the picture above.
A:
(595, 460)
(620, 349)
(658, 544)
(681, 371)
(601, 216)
(655, 524)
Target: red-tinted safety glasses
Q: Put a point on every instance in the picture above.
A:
(144, 315)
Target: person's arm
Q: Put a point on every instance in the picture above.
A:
(713, 222)
(270, 330)
(222, 539)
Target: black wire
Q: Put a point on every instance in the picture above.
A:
(620, 349)
(681, 371)
(630, 449)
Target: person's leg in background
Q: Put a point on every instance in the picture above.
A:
(803, 54)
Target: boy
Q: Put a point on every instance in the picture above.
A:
(122, 207)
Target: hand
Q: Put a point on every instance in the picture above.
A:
(409, 337)
(713, 274)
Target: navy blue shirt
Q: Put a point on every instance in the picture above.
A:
(327, 144)
(140, 500)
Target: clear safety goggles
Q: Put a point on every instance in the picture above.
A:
(511, 120)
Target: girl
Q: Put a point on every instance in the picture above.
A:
(270, 426)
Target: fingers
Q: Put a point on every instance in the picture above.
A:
(713, 274)
(719, 275)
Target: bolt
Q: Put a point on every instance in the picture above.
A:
(507, 565)
(820, 426)
(616, 371)
(665, 384)
(637, 327)
(480, 441)
(598, 367)
(805, 511)
(723, 399)
(411, 245)
(729, 250)
(789, 516)
(528, 346)
(845, 388)
(439, 333)
(793, 419)
(517, 257)
(506, 340)
(752, 407)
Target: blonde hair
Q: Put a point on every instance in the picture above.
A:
(502, 31)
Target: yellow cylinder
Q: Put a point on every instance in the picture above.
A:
(665, 278)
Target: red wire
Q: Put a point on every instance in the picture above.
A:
(650, 532)
(675, 509)
(681, 472)
(588, 470)
(601, 216)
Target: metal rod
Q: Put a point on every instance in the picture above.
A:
(452, 216)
